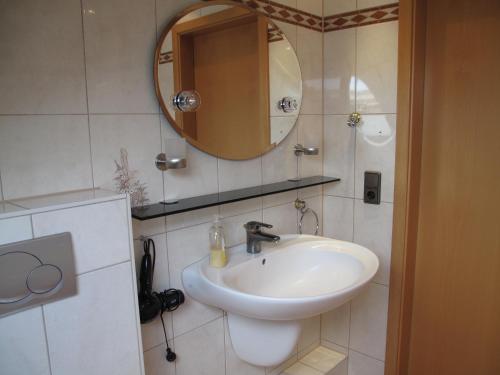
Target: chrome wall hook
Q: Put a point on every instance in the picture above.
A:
(299, 149)
(163, 163)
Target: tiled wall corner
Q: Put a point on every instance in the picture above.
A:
(360, 75)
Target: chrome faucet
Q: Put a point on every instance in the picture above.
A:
(255, 236)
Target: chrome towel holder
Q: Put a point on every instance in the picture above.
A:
(302, 207)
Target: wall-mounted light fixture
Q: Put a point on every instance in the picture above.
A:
(186, 101)
(288, 104)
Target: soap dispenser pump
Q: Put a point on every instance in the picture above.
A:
(218, 257)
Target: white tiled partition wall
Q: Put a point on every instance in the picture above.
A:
(96, 331)
(360, 71)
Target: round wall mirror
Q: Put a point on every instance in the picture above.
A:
(228, 80)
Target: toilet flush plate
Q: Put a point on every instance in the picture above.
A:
(36, 272)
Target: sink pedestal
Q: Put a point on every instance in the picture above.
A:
(263, 342)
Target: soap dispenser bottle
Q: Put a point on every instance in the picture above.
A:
(218, 257)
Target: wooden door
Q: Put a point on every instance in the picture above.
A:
(225, 57)
(445, 288)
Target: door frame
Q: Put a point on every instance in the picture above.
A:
(410, 89)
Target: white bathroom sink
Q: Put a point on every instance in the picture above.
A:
(267, 294)
(299, 277)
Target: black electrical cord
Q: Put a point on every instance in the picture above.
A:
(164, 297)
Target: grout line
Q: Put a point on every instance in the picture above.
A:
(103, 268)
(367, 355)
(198, 327)
(87, 93)
(355, 198)
(379, 283)
(32, 227)
(46, 338)
(1, 188)
(225, 343)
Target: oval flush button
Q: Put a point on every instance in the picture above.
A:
(14, 268)
(44, 278)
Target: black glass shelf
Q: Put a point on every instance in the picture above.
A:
(153, 211)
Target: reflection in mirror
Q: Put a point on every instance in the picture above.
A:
(243, 68)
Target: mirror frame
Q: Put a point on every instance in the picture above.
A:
(156, 64)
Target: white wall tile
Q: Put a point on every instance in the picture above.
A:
(191, 218)
(280, 164)
(310, 334)
(241, 207)
(339, 143)
(341, 368)
(311, 6)
(42, 67)
(310, 54)
(332, 346)
(149, 227)
(279, 199)
(139, 135)
(338, 6)
(363, 4)
(155, 362)
(310, 128)
(360, 364)
(120, 37)
(85, 333)
(335, 325)
(234, 365)
(44, 154)
(167, 9)
(283, 218)
(198, 178)
(235, 174)
(373, 229)
(289, 3)
(186, 246)
(100, 232)
(310, 192)
(15, 229)
(369, 321)
(290, 32)
(338, 214)
(7, 208)
(202, 350)
(376, 151)
(376, 67)
(339, 71)
(22, 344)
(277, 370)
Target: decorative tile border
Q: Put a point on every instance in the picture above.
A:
(166, 57)
(361, 17)
(284, 13)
